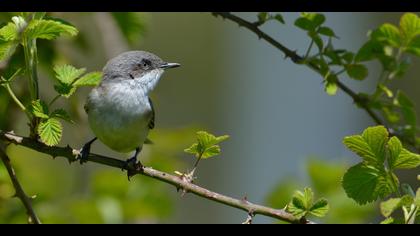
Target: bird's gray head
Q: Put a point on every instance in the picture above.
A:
(141, 66)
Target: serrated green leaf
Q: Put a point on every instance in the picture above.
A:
(298, 206)
(9, 32)
(357, 71)
(389, 34)
(39, 109)
(410, 26)
(211, 152)
(7, 48)
(370, 146)
(206, 145)
(401, 158)
(62, 114)
(65, 90)
(50, 131)
(389, 206)
(364, 183)
(193, 149)
(320, 208)
(49, 29)
(67, 74)
(89, 79)
(327, 31)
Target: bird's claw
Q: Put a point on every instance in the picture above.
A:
(84, 154)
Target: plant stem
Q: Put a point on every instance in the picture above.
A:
(309, 49)
(31, 62)
(19, 190)
(54, 99)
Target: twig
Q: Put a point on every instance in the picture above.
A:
(19, 190)
(71, 155)
(359, 100)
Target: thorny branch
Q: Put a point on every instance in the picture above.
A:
(362, 102)
(71, 155)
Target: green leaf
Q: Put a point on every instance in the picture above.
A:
(410, 26)
(279, 18)
(263, 16)
(327, 31)
(392, 204)
(407, 108)
(49, 29)
(193, 149)
(62, 114)
(364, 183)
(89, 79)
(39, 109)
(357, 71)
(50, 131)
(387, 221)
(301, 203)
(413, 47)
(316, 18)
(304, 24)
(67, 74)
(65, 90)
(389, 34)
(211, 151)
(370, 146)
(348, 57)
(9, 32)
(369, 51)
(7, 48)
(401, 158)
(206, 145)
(320, 208)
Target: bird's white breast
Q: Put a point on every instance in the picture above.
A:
(119, 114)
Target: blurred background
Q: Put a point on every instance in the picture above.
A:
(285, 131)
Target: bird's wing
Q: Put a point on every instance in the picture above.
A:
(152, 119)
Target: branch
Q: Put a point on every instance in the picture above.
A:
(19, 190)
(362, 102)
(71, 155)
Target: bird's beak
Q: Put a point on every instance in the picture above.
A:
(169, 65)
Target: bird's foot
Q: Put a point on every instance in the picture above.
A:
(132, 166)
(84, 153)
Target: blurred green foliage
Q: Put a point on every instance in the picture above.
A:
(325, 180)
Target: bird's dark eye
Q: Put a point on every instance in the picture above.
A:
(144, 63)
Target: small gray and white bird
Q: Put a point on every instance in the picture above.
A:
(119, 109)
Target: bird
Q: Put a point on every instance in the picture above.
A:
(119, 109)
